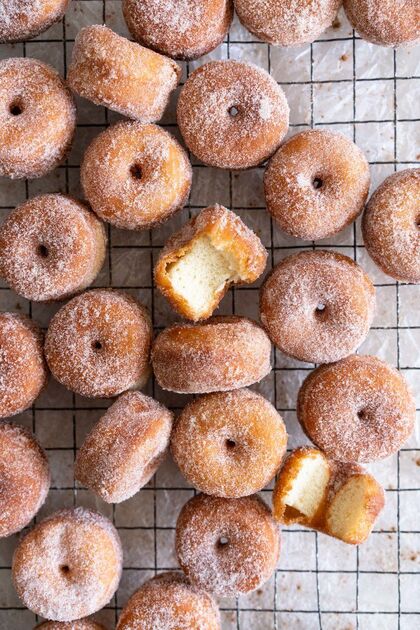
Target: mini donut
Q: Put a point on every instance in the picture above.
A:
(125, 448)
(232, 115)
(109, 70)
(338, 499)
(24, 19)
(98, 344)
(287, 22)
(229, 444)
(181, 29)
(221, 354)
(51, 247)
(168, 601)
(317, 306)
(356, 410)
(69, 565)
(37, 118)
(209, 254)
(81, 624)
(136, 176)
(391, 23)
(316, 184)
(391, 226)
(227, 546)
(23, 372)
(24, 478)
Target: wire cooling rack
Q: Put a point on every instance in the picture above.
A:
(370, 94)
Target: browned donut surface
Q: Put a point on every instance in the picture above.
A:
(386, 23)
(232, 114)
(227, 546)
(169, 602)
(24, 478)
(316, 184)
(51, 247)
(391, 226)
(221, 354)
(24, 19)
(182, 29)
(287, 22)
(356, 410)
(80, 624)
(37, 118)
(69, 565)
(317, 306)
(98, 344)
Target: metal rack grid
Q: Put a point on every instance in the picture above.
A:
(319, 583)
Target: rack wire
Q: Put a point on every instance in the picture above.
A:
(370, 94)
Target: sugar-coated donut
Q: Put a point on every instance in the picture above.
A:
(356, 410)
(24, 19)
(98, 344)
(24, 478)
(136, 176)
(221, 354)
(287, 22)
(317, 306)
(37, 118)
(69, 565)
(109, 70)
(387, 23)
(391, 226)
(229, 444)
(182, 29)
(227, 546)
(51, 247)
(80, 624)
(125, 448)
(339, 499)
(169, 602)
(316, 184)
(23, 373)
(232, 114)
(209, 254)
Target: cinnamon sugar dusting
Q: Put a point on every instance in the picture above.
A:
(24, 19)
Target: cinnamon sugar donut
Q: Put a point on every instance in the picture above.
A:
(220, 354)
(69, 565)
(23, 373)
(80, 624)
(356, 410)
(229, 444)
(125, 448)
(387, 23)
(391, 226)
(136, 176)
(37, 118)
(24, 19)
(24, 478)
(98, 344)
(227, 546)
(316, 184)
(317, 306)
(287, 22)
(51, 247)
(169, 602)
(109, 70)
(182, 29)
(232, 114)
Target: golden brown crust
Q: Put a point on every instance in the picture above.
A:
(21, 20)
(109, 70)
(222, 354)
(387, 23)
(80, 624)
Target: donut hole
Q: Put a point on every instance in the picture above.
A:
(418, 222)
(42, 251)
(361, 414)
(136, 171)
(97, 345)
(317, 183)
(230, 445)
(223, 542)
(233, 111)
(320, 310)
(64, 569)
(16, 108)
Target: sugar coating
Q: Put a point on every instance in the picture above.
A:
(391, 23)
(232, 114)
(182, 29)
(69, 565)
(169, 602)
(24, 19)
(80, 624)
(317, 306)
(287, 22)
(391, 226)
(228, 546)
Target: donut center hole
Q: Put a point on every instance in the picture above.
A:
(233, 111)
(65, 569)
(42, 251)
(230, 444)
(16, 108)
(136, 171)
(418, 222)
(317, 183)
(223, 542)
(361, 414)
(96, 345)
(320, 309)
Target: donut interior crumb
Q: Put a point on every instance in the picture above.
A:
(347, 513)
(308, 488)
